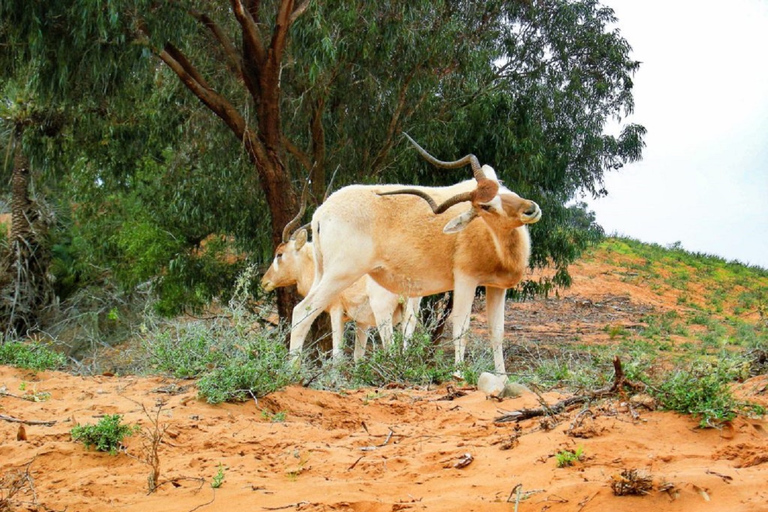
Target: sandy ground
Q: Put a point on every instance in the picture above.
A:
(376, 450)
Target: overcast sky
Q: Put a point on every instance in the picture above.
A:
(702, 93)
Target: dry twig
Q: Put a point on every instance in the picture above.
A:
(619, 383)
(27, 422)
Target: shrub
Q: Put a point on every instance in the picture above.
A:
(255, 369)
(703, 391)
(419, 362)
(107, 435)
(33, 356)
(186, 353)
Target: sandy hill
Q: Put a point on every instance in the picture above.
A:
(392, 449)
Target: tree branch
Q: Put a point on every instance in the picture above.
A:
(175, 54)
(219, 105)
(619, 382)
(299, 10)
(280, 34)
(301, 156)
(251, 33)
(230, 51)
(318, 148)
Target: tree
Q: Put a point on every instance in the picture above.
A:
(306, 87)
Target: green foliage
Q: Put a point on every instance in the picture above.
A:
(418, 363)
(277, 417)
(106, 436)
(703, 391)
(566, 458)
(34, 356)
(218, 478)
(258, 368)
(185, 353)
(529, 89)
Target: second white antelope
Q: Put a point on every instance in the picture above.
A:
(418, 241)
(365, 301)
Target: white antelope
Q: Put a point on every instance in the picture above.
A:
(365, 302)
(418, 241)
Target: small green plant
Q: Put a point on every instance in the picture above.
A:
(33, 356)
(615, 331)
(277, 417)
(218, 478)
(34, 395)
(186, 352)
(567, 458)
(106, 436)
(703, 391)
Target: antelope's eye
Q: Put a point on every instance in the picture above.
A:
(278, 256)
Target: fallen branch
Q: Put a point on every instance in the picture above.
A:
(385, 443)
(619, 382)
(292, 505)
(27, 422)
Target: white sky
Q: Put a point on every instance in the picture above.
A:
(702, 94)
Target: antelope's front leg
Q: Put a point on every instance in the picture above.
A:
(495, 299)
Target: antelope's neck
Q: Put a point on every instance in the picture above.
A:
(513, 247)
(306, 270)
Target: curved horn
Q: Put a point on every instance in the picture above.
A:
(288, 229)
(436, 208)
(469, 159)
(306, 226)
(330, 183)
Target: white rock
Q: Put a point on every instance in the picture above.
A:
(498, 386)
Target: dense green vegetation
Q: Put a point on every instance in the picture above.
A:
(687, 358)
(158, 147)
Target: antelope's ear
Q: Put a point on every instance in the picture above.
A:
(459, 223)
(301, 238)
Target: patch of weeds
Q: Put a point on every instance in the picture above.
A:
(615, 331)
(700, 318)
(663, 325)
(32, 356)
(259, 367)
(276, 417)
(218, 478)
(566, 458)
(34, 395)
(419, 362)
(185, 352)
(106, 436)
(702, 390)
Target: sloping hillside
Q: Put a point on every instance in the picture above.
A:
(436, 449)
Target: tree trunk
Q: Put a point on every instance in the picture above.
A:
(24, 285)
(20, 202)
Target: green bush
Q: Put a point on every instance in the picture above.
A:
(186, 353)
(420, 362)
(106, 436)
(254, 369)
(33, 356)
(703, 390)
(566, 458)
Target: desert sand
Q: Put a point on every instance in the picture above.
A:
(389, 449)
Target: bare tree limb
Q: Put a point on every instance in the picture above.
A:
(251, 33)
(11, 419)
(213, 100)
(619, 382)
(299, 10)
